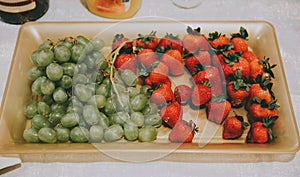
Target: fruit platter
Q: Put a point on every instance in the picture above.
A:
(196, 91)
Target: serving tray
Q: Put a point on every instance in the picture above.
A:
(207, 146)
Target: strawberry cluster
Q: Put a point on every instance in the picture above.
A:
(225, 75)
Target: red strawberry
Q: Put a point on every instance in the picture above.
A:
(239, 44)
(217, 40)
(249, 56)
(261, 67)
(169, 41)
(201, 94)
(192, 62)
(126, 61)
(147, 57)
(259, 110)
(218, 109)
(173, 59)
(182, 93)
(204, 58)
(171, 113)
(209, 73)
(233, 62)
(238, 40)
(218, 59)
(149, 41)
(261, 132)
(168, 82)
(234, 127)
(159, 74)
(148, 81)
(183, 132)
(238, 89)
(260, 89)
(162, 95)
(194, 40)
(118, 40)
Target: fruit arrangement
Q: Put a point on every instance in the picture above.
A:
(81, 96)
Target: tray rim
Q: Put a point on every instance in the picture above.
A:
(291, 151)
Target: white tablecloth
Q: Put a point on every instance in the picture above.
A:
(283, 14)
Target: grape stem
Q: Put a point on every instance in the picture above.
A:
(111, 60)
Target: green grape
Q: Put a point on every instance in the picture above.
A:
(70, 119)
(81, 68)
(119, 118)
(100, 101)
(48, 99)
(62, 134)
(36, 85)
(60, 95)
(150, 108)
(44, 57)
(31, 109)
(145, 90)
(58, 107)
(47, 135)
(113, 133)
(54, 71)
(129, 77)
(48, 87)
(35, 72)
(97, 55)
(68, 42)
(90, 114)
(103, 120)
(39, 121)
(62, 53)
(77, 52)
(138, 102)
(83, 123)
(137, 118)
(91, 87)
(55, 117)
(107, 82)
(33, 57)
(82, 92)
(153, 120)
(69, 68)
(31, 135)
(147, 134)
(121, 102)
(46, 45)
(43, 108)
(75, 105)
(131, 131)
(85, 42)
(79, 135)
(96, 133)
(97, 43)
(132, 91)
(90, 61)
(80, 79)
(103, 89)
(109, 106)
(66, 82)
(97, 100)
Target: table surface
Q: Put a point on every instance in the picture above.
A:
(283, 14)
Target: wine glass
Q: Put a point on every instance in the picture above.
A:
(186, 4)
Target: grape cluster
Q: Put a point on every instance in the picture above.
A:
(76, 99)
